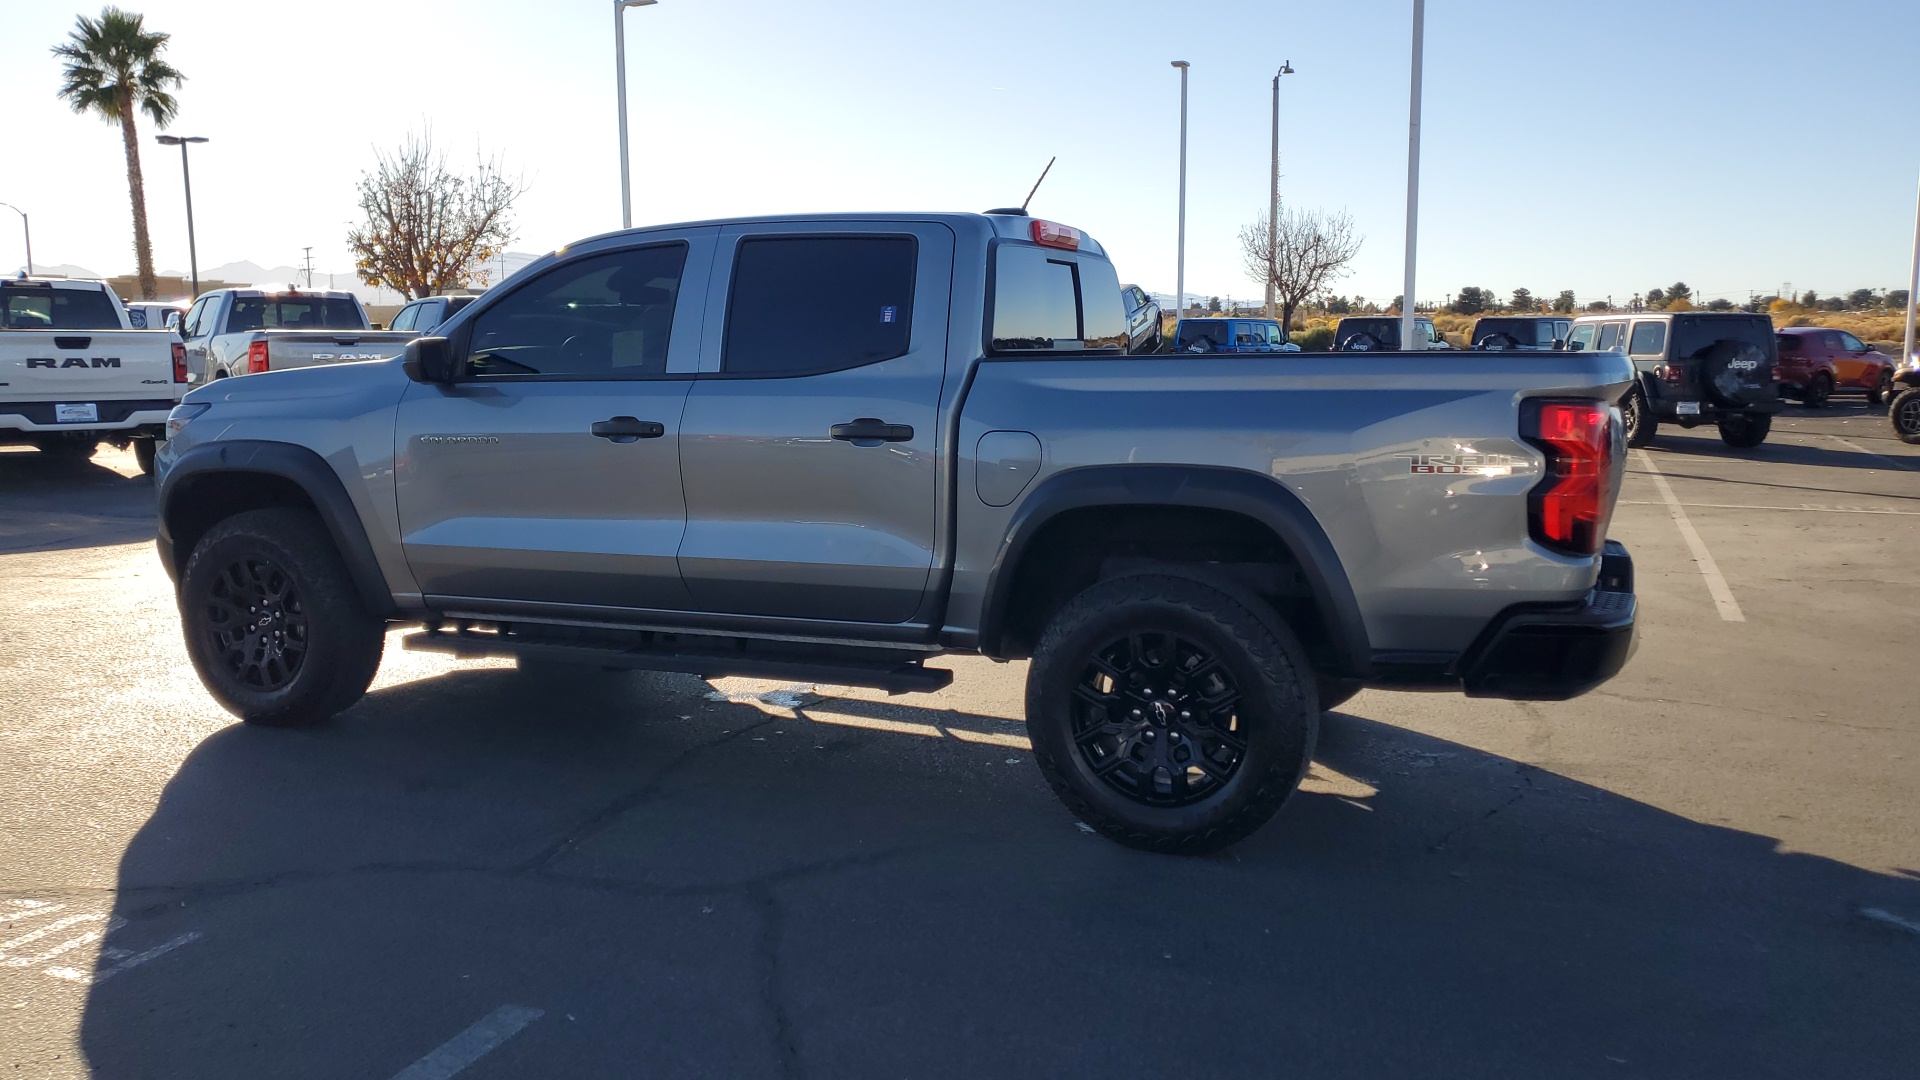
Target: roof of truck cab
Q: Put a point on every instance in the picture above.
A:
(1005, 226)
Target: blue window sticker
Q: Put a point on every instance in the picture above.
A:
(889, 313)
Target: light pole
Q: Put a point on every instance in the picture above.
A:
(1913, 286)
(1180, 269)
(186, 179)
(1273, 193)
(24, 227)
(1413, 173)
(620, 80)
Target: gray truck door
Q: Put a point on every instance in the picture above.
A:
(549, 475)
(811, 444)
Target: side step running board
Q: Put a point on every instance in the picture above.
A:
(893, 676)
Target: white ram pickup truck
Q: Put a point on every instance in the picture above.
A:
(248, 331)
(75, 374)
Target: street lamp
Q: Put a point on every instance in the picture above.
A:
(620, 79)
(26, 229)
(1413, 172)
(186, 179)
(1180, 271)
(1273, 193)
(1913, 286)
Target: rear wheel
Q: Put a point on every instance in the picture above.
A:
(1905, 414)
(273, 622)
(143, 450)
(1745, 432)
(1819, 389)
(1638, 419)
(1168, 715)
(68, 449)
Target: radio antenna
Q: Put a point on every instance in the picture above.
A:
(1036, 183)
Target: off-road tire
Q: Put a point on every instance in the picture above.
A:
(1819, 389)
(1745, 432)
(143, 451)
(317, 649)
(1276, 711)
(1904, 415)
(1638, 419)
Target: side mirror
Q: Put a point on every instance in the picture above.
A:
(429, 360)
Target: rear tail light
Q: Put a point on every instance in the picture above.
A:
(1568, 510)
(1053, 234)
(179, 362)
(256, 358)
(1669, 373)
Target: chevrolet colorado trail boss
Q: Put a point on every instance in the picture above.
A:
(835, 447)
(74, 373)
(248, 331)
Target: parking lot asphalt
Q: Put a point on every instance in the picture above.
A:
(1709, 867)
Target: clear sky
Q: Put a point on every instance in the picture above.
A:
(1604, 147)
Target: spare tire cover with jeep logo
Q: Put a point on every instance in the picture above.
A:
(1736, 372)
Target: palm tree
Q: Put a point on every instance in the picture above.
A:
(114, 70)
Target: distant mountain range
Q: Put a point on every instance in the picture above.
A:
(246, 272)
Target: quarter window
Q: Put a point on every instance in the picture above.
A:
(1649, 339)
(1851, 343)
(600, 317)
(404, 320)
(805, 305)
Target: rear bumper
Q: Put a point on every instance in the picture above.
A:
(1668, 409)
(39, 417)
(1554, 652)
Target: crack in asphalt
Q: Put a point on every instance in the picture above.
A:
(1525, 773)
(1822, 720)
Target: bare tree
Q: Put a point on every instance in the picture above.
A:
(428, 229)
(1310, 251)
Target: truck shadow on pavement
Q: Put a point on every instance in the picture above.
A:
(61, 505)
(1781, 453)
(812, 885)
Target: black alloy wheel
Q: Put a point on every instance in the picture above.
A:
(1882, 390)
(1156, 717)
(1637, 419)
(256, 620)
(1905, 415)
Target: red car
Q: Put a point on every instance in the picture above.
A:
(1815, 361)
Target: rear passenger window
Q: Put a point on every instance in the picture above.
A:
(1048, 302)
(1649, 339)
(1243, 333)
(601, 317)
(404, 320)
(1610, 336)
(805, 305)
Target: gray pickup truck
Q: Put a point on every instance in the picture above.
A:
(833, 448)
(249, 331)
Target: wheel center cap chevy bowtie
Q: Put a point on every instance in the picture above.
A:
(1162, 713)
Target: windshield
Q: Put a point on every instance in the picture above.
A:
(1213, 332)
(294, 313)
(46, 308)
(1384, 332)
(1522, 331)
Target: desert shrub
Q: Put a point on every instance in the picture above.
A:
(1318, 339)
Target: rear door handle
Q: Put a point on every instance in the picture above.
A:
(868, 431)
(626, 429)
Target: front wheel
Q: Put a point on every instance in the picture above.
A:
(1745, 432)
(1168, 715)
(1905, 415)
(1637, 418)
(273, 622)
(1881, 390)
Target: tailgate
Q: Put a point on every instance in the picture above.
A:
(305, 348)
(86, 365)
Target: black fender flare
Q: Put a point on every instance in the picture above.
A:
(304, 469)
(1202, 487)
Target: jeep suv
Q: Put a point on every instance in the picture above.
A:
(1691, 368)
(1381, 333)
(1528, 333)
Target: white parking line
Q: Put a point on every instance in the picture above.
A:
(1794, 509)
(1716, 585)
(95, 978)
(1890, 919)
(471, 1045)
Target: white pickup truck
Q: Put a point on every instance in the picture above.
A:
(248, 331)
(74, 373)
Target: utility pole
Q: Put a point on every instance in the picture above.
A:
(1913, 286)
(309, 267)
(1413, 173)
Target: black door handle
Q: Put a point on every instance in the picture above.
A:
(867, 431)
(626, 429)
